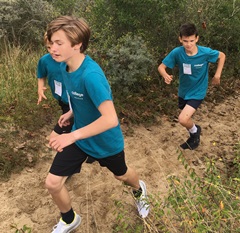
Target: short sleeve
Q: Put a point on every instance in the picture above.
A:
(97, 88)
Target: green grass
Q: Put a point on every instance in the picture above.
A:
(21, 118)
(193, 204)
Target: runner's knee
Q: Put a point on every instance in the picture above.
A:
(53, 185)
(183, 120)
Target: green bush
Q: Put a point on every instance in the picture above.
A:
(24, 21)
(158, 22)
(70, 7)
(128, 64)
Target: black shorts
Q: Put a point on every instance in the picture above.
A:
(192, 102)
(65, 107)
(65, 129)
(70, 160)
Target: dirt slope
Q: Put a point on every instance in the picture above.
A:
(152, 151)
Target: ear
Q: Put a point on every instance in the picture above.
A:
(180, 39)
(197, 39)
(77, 46)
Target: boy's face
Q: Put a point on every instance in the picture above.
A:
(61, 48)
(189, 43)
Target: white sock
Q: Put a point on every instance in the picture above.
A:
(193, 129)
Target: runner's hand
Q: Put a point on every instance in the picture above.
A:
(168, 79)
(215, 81)
(61, 141)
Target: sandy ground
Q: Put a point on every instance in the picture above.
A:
(151, 151)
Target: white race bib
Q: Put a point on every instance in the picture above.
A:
(187, 68)
(58, 88)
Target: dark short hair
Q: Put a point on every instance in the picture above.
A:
(188, 29)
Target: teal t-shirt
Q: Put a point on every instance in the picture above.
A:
(87, 88)
(193, 70)
(48, 68)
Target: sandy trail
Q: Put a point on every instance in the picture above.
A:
(151, 151)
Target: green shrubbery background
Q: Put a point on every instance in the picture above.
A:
(156, 22)
(129, 40)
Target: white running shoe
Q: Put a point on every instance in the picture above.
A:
(142, 202)
(63, 227)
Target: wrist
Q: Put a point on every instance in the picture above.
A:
(75, 135)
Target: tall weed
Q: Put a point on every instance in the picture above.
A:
(22, 120)
(18, 89)
(193, 204)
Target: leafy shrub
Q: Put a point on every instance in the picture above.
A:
(24, 21)
(128, 63)
(69, 7)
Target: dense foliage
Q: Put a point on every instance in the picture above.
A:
(23, 22)
(129, 40)
(155, 22)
